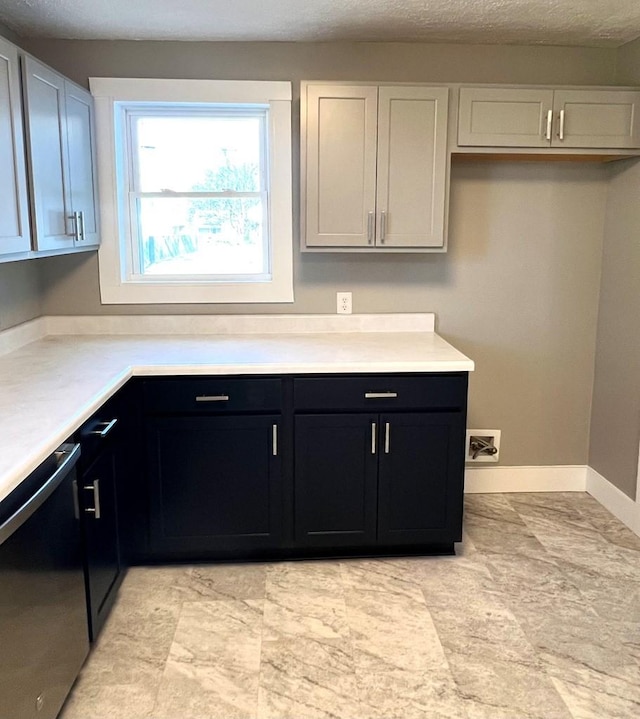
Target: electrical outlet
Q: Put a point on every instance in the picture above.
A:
(482, 445)
(343, 303)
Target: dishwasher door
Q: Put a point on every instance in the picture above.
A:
(43, 617)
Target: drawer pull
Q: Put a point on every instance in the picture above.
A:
(380, 395)
(108, 426)
(212, 398)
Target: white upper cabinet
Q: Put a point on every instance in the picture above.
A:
(14, 210)
(341, 165)
(514, 117)
(61, 149)
(597, 118)
(505, 117)
(374, 167)
(82, 162)
(411, 168)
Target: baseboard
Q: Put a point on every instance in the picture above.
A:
(611, 498)
(561, 478)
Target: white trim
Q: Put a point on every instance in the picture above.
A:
(560, 478)
(136, 89)
(114, 289)
(611, 498)
(15, 337)
(237, 324)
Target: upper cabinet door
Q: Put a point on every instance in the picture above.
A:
(14, 213)
(340, 165)
(497, 117)
(412, 165)
(47, 146)
(83, 188)
(597, 119)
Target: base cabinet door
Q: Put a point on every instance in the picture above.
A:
(102, 554)
(420, 478)
(215, 484)
(335, 479)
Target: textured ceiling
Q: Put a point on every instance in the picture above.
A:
(549, 22)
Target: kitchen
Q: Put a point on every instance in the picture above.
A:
(539, 283)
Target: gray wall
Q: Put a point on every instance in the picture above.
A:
(20, 295)
(628, 64)
(518, 290)
(615, 424)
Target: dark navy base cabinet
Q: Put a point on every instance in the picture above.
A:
(335, 480)
(215, 483)
(269, 467)
(103, 466)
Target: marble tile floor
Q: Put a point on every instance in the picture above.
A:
(537, 617)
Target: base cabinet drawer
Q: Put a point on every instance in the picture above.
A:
(376, 393)
(212, 395)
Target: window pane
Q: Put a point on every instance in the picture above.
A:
(185, 154)
(221, 236)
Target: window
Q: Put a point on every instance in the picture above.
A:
(197, 177)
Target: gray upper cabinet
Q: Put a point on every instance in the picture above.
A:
(14, 213)
(61, 151)
(83, 185)
(505, 117)
(341, 165)
(597, 118)
(411, 167)
(374, 167)
(514, 117)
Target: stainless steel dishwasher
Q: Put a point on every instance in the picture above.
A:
(43, 616)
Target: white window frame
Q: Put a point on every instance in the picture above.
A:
(117, 284)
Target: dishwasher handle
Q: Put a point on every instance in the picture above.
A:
(65, 460)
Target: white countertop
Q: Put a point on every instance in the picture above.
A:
(49, 387)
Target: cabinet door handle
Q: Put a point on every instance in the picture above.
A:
(212, 398)
(274, 440)
(547, 134)
(380, 395)
(383, 227)
(95, 488)
(108, 426)
(370, 227)
(373, 437)
(561, 126)
(387, 432)
(75, 218)
(76, 501)
(82, 234)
